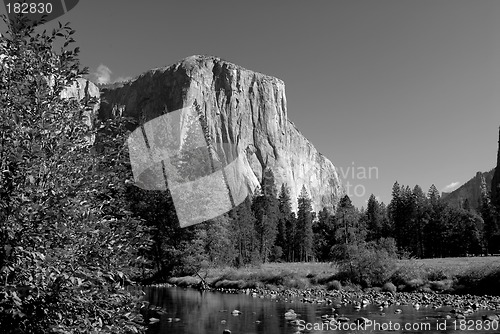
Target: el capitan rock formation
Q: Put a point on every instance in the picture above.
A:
(241, 107)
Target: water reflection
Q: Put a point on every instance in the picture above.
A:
(187, 311)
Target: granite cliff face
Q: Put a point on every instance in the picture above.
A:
(84, 90)
(241, 107)
(471, 190)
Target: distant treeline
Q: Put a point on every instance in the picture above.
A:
(264, 228)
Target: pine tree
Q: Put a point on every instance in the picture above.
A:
(304, 226)
(435, 229)
(324, 235)
(266, 210)
(218, 244)
(244, 235)
(374, 219)
(419, 220)
(490, 218)
(433, 195)
(349, 228)
(495, 182)
(284, 217)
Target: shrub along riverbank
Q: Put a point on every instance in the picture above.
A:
(472, 275)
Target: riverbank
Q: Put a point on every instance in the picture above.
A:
(434, 282)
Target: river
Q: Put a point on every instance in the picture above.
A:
(188, 311)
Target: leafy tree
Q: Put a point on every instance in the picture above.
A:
(365, 263)
(463, 232)
(67, 241)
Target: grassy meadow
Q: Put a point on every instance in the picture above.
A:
(475, 275)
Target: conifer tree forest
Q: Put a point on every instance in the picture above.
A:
(74, 231)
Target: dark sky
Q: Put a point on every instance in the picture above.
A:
(408, 90)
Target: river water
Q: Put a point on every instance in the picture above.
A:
(188, 311)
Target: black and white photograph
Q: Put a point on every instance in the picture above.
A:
(249, 167)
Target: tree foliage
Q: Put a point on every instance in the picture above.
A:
(68, 243)
(304, 226)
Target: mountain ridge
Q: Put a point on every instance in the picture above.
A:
(470, 190)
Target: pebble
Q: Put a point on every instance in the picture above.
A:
(337, 298)
(290, 314)
(491, 317)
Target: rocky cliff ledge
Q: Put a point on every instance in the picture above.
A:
(242, 107)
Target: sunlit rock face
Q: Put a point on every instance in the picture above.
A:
(243, 108)
(87, 93)
(84, 90)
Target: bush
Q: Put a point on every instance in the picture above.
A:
(322, 278)
(334, 285)
(442, 285)
(479, 281)
(366, 264)
(227, 284)
(436, 275)
(297, 283)
(389, 287)
(406, 273)
(415, 284)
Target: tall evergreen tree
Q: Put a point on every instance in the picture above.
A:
(304, 226)
(495, 182)
(419, 220)
(324, 235)
(403, 216)
(266, 210)
(490, 218)
(348, 228)
(435, 229)
(218, 241)
(244, 234)
(374, 217)
(288, 222)
(284, 222)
